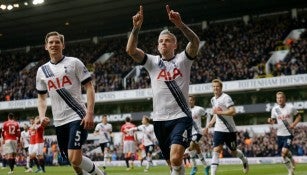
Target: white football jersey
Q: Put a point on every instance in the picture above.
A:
(25, 138)
(104, 132)
(148, 134)
(165, 106)
(197, 113)
(223, 123)
(63, 82)
(284, 117)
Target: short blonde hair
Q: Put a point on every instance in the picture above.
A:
(281, 93)
(218, 81)
(54, 33)
(167, 32)
(146, 118)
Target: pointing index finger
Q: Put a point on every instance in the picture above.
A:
(168, 10)
(141, 10)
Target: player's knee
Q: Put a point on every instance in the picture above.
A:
(176, 160)
(74, 161)
(217, 149)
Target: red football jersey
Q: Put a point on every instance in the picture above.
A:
(11, 130)
(127, 135)
(36, 134)
(39, 138)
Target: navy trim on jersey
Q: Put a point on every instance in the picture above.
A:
(58, 61)
(144, 60)
(47, 71)
(189, 57)
(180, 99)
(226, 123)
(285, 122)
(41, 92)
(71, 102)
(86, 80)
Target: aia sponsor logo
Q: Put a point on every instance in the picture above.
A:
(283, 117)
(165, 75)
(58, 83)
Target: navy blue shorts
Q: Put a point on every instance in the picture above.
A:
(170, 132)
(149, 149)
(229, 138)
(284, 142)
(70, 136)
(104, 145)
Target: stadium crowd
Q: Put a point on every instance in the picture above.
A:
(252, 144)
(233, 50)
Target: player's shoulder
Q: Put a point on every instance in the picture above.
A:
(199, 107)
(72, 60)
(275, 107)
(224, 95)
(289, 105)
(152, 59)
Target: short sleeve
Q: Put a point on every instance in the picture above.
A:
(41, 86)
(82, 72)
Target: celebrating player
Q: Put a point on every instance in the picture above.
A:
(104, 130)
(170, 78)
(284, 114)
(225, 129)
(148, 139)
(62, 78)
(194, 148)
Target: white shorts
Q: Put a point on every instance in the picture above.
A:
(37, 149)
(129, 147)
(10, 146)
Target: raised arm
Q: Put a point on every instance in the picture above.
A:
(131, 48)
(192, 46)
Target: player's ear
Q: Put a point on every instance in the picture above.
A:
(46, 48)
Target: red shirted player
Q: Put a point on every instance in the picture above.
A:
(11, 136)
(128, 142)
(36, 145)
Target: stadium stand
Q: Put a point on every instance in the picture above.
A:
(233, 50)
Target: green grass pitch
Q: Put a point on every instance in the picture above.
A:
(265, 169)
